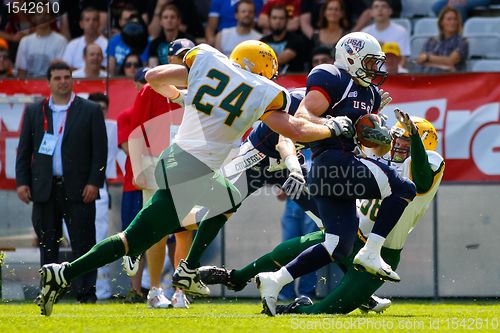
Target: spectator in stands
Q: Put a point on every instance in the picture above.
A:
(293, 14)
(14, 26)
(170, 21)
(60, 166)
(89, 22)
(38, 50)
(462, 6)
(322, 55)
(103, 204)
(132, 39)
(71, 15)
(359, 13)
(393, 58)
(222, 16)
(131, 202)
(309, 16)
(130, 65)
(178, 49)
(128, 11)
(386, 31)
(448, 52)
(191, 22)
(227, 39)
(5, 63)
(288, 47)
(92, 56)
(333, 25)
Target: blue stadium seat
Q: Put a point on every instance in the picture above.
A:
(417, 42)
(483, 45)
(416, 8)
(406, 23)
(484, 65)
(426, 26)
(475, 25)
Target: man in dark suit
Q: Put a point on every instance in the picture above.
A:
(60, 166)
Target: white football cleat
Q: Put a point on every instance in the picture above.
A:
(179, 300)
(373, 263)
(269, 288)
(52, 286)
(157, 300)
(131, 264)
(376, 304)
(189, 280)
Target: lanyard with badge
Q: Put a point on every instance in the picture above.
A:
(49, 141)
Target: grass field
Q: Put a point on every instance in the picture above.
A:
(241, 316)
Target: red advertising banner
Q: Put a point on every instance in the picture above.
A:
(464, 108)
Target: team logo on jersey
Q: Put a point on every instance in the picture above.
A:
(353, 45)
(353, 94)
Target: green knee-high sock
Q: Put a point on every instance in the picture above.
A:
(278, 257)
(205, 234)
(104, 252)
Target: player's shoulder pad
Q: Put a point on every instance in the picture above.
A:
(298, 93)
(199, 51)
(328, 79)
(435, 159)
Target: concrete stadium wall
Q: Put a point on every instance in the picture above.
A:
(467, 258)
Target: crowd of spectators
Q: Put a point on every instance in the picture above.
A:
(133, 33)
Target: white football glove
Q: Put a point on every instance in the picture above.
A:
(294, 185)
(340, 125)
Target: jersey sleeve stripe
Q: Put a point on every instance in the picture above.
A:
(323, 92)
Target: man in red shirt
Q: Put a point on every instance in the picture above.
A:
(148, 105)
(292, 8)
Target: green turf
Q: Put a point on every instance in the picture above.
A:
(243, 316)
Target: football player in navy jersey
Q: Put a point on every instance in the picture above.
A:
(264, 158)
(345, 91)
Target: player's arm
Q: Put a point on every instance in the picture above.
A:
(313, 106)
(164, 78)
(295, 183)
(297, 129)
(286, 149)
(421, 172)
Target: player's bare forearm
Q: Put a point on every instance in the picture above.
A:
(164, 78)
(285, 147)
(297, 129)
(312, 107)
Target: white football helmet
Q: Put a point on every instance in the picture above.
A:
(361, 56)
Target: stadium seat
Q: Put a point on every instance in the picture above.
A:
(406, 23)
(474, 25)
(485, 66)
(426, 26)
(483, 45)
(413, 8)
(417, 43)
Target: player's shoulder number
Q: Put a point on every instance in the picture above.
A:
(231, 102)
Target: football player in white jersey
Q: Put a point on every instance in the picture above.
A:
(225, 96)
(413, 155)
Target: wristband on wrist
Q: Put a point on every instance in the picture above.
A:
(178, 100)
(292, 164)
